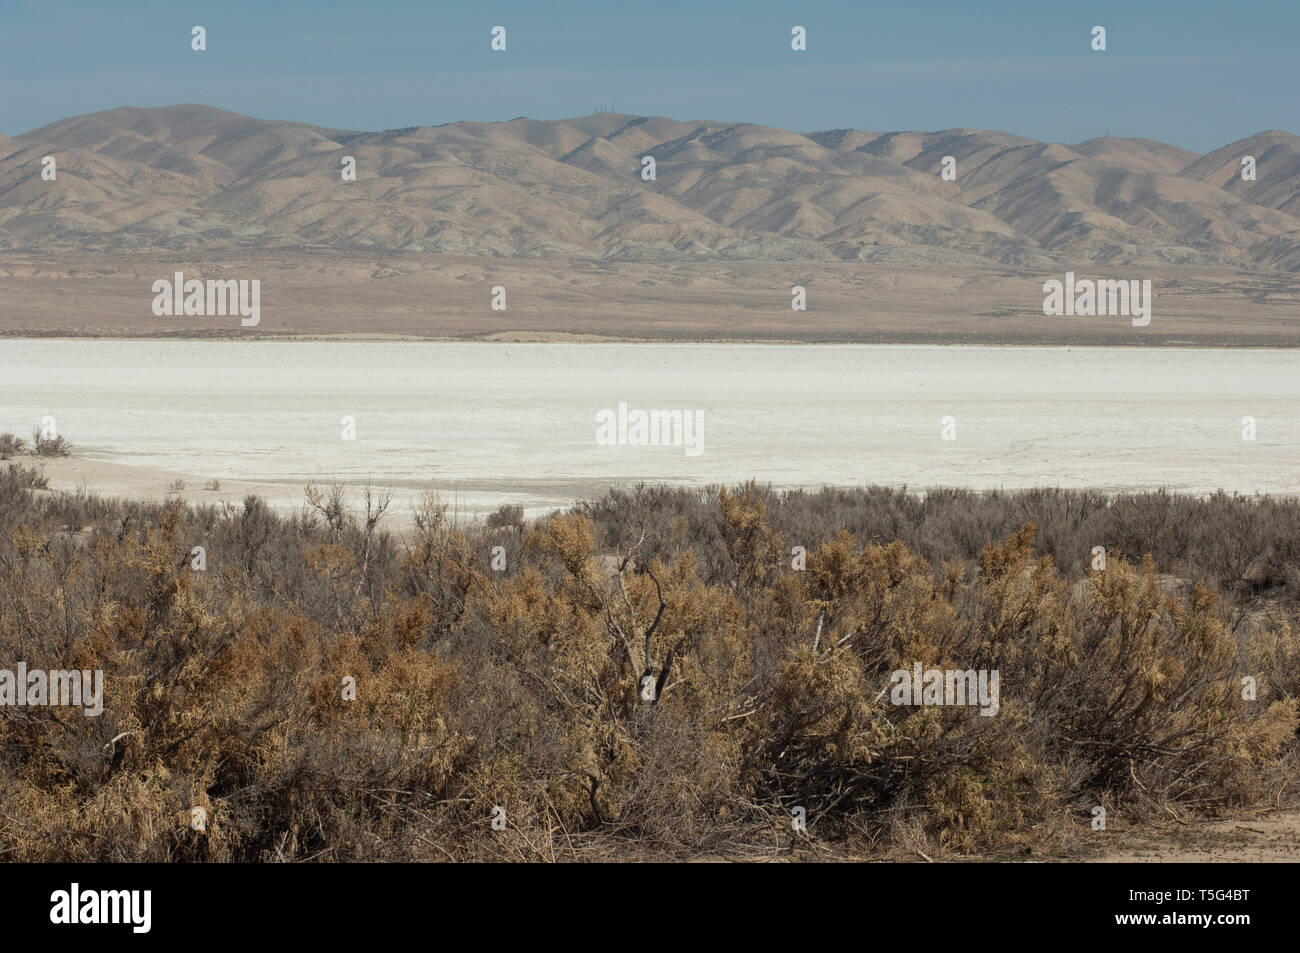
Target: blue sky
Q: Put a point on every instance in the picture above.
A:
(1193, 73)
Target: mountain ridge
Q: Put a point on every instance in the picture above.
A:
(190, 177)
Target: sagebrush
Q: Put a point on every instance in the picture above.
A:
(649, 674)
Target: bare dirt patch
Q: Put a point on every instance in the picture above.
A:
(328, 294)
(1261, 838)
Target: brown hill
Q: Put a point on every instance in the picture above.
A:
(1277, 170)
(1136, 155)
(194, 177)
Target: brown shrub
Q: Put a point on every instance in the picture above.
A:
(650, 675)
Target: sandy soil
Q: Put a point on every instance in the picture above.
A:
(327, 294)
(468, 500)
(1272, 837)
(116, 480)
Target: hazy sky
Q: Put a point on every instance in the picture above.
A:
(1196, 73)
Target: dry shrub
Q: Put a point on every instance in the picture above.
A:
(649, 675)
